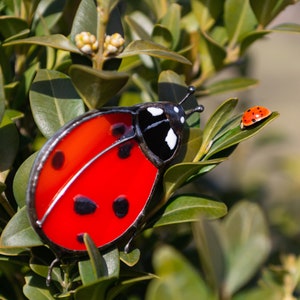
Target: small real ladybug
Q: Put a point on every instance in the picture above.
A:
(98, 173)
(253, 115)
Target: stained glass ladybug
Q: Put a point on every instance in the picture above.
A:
(98, 173)
(253, 115)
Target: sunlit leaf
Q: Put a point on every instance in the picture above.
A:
(236, 135)
(214, 124)
(207, 12)
(239, 20)
(18, 233)
(131, 258)
(53, 101)
(57, 41)
(227, 85)
(187, 208)
(139, 47)
(21, 180)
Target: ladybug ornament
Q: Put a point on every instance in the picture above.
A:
(254, 115)
(98, 173)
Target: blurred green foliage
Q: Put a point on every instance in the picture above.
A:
(47, 78)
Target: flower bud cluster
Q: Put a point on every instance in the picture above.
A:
(86, 43)
(113, 44)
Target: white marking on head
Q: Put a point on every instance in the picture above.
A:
(155, 111)
(182, 119)
(176, 109)
(171, 139)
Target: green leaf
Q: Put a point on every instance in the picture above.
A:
(287, 27)
(214, 124)
(10, 26)
(85, 18)
(177, 175)
(177, 278)
(247, 233)
(171, 21)
(239, 20)
(131, 258)
(186, 208)
(212, 55)
(2, 96)
(149, 48)
(207, 12)
(228, 85)
(98, 264)
(211, 244)
(97, 87)
(140, 25)
(162, 36)
(265, 11)
(21, 180)
(96, 290)
(35, 288)
(18, 235)
(235, 135)
(9, 143)
(57, 41)
(250, 38)
(53, 101)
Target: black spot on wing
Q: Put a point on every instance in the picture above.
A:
(58, 160)
(84, 206)
(118, 129)
(121, 207)
(80, 238)
(124, 150)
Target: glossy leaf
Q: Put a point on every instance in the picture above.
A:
(247, 233)
(177, 175)
(207, 12)
(57, 41)
(53, 101)
(236, 135)
(21, 180)
(97, 87)
(149, 48)
(265, 11)
(85, 18)
(131, 258)
(97, 262)
(187, 208)
(239, 20)
(177, 278)
(10, 26)
(227, 85)
(216, 121)
(18, 234)
(9, 143)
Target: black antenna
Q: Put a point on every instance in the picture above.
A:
(191, 90)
